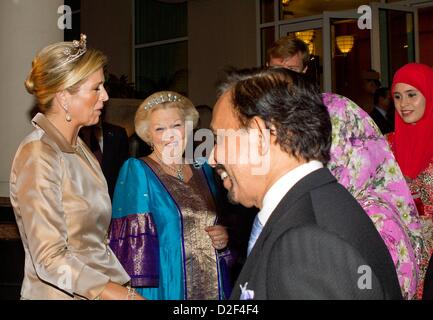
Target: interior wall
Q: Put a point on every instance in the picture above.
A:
(26, 26)
(220, 33)
(108, 25)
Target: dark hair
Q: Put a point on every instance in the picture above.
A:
(289, 101)
(287, 47)
(380, 92)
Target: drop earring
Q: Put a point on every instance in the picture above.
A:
(68, 115)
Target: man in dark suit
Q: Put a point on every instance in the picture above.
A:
(109, 144)
(310, 239)
(382, 111)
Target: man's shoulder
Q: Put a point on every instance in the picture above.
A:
(317, 194)
(336, 209)
(315, 180)
(323, 202)
(321, 187)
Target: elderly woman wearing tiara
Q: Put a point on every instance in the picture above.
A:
(165, 227)
(57, 189)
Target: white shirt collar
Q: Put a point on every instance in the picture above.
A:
(279, 189)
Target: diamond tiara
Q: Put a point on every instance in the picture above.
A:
(80, 46)
(164, 97)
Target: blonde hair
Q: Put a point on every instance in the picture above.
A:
(50, 74)
(142, 116)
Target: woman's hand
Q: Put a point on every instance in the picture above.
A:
(219, 236)
(114, 291)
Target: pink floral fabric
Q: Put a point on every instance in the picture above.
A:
(422, 192)
(362, 161)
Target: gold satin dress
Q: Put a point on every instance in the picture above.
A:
(63, 211)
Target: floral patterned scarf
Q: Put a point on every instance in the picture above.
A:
(363, 163)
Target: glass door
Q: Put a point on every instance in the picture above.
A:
(347, 56)
(395, 38)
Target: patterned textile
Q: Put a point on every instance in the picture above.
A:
(198, 211)
(423, 184)
(171, 214)
(134, 240)
(421, 187)
(422, 191)
(362, 161)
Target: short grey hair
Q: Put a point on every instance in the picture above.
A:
(142, 116)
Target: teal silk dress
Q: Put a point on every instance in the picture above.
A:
(157, 233)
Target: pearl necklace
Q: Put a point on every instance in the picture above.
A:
(178, 172)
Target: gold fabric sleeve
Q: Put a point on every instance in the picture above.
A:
(40, 197)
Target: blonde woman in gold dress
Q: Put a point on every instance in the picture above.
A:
(57, 188)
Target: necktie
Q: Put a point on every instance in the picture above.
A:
(255, 232)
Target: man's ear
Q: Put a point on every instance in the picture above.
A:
(263, 133)
(272, 130)
(61, 98)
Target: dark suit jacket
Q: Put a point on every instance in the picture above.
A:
(115, 153)
(385, 125)
(316, 245)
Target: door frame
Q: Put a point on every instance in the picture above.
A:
(376, 47)
(327, 44)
